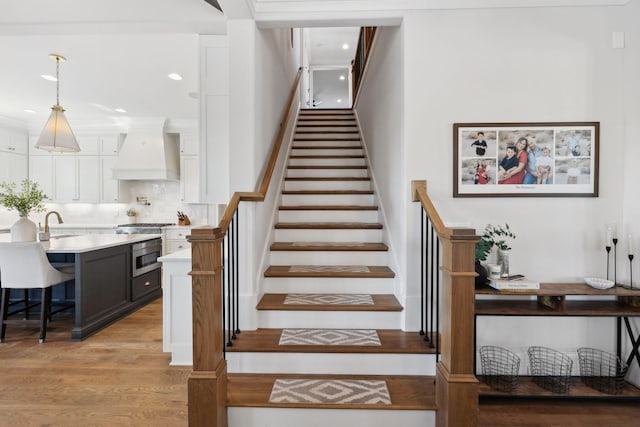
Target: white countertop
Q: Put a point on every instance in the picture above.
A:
(89, 242)
(178, 256)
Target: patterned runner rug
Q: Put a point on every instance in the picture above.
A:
(328, 299)
(364, 337)
(329, 269)
(369, 392)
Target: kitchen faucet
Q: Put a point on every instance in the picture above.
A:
(46, 220)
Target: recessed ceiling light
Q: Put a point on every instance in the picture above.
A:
(345, 46)
(49, 77)
(26, 110)
(120, 110)
(342, 77)
(339, 101)
(175, 76)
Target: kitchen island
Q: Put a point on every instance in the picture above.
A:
(106, 287)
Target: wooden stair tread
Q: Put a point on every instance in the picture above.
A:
(346, 156)
(327, 192)
(407, 392)
(329, 225)
(326, 147)
(329, 138)
(372, 272)
(328, 246)
(327, 167)
(308, 125)
(328, 132)
(392, 342)
(327, 208)
(380, 303)
(327, 178)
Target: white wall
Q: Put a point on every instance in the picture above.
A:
(260, 93)
(380, 111)
(527, 65)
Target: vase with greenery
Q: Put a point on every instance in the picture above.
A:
(498, 236)
(28, 199)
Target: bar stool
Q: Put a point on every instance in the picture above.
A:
(24, 265)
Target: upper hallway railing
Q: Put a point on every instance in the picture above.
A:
(447, 285)
(359, 63)
(215, 271)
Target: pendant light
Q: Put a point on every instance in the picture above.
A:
(57, 134)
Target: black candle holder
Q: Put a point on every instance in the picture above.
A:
(630, 271)
(615, 260)
(608, 249)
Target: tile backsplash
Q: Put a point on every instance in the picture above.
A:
(163, 199)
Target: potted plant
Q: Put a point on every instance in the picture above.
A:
(28, 199)
(498, 236)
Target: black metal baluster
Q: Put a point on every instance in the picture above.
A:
(237, 280)
(224, 280)
(232, 285)
(437, 285)
(422, 300)
(432, 267)
(229, 284)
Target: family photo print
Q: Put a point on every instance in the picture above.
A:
(557, 159)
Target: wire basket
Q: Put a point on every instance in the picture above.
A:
(601, 370)
(550, 369)
(500, 368)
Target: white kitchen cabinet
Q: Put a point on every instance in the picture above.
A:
(109, 145)
(13, 167)
(41, 171)
(89, 145)
(109, 187)
(190, 179)
(189, 144)
(76, 178)
(13, 142)
(175, 239)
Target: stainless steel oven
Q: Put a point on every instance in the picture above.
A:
(145, 256)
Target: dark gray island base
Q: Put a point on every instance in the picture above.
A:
(105, 289)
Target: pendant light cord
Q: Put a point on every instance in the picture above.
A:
(57, 80)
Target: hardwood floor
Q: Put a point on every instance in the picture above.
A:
(118, 377)
(121, 377)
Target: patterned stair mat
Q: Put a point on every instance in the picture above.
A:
(329, 299)
(363, 337)
(329, 269)
(369, 392)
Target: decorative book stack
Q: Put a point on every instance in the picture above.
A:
(514, 283)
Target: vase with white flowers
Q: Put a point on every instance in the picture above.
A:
(27, 200)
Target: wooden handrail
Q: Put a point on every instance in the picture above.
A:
(258, 196)
(365, 41)
(456, 384)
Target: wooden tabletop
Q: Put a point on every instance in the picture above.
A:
(559, 289)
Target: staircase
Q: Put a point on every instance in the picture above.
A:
(329, 350)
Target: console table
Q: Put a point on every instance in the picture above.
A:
(554, 299)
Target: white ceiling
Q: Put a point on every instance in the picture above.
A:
(119, 54)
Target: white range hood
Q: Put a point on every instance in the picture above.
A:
(148, 153)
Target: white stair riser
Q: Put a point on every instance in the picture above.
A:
(326, 152)
(328, 162)
(327, 185)
(327, 199)
(332, 363)
(310, 142)
(329, 258)
(326, 115)
(294, 417)
(329, 319)
(323, 136)
(327, 235)
(335, 285)
(311, 121)
(327, 216)
(327, 173)
(338, 127)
